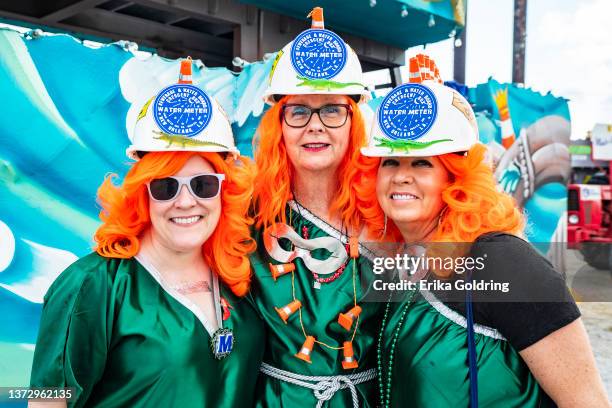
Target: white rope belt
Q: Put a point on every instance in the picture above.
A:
(323, 387)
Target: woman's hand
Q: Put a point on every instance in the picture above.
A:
(564, 366)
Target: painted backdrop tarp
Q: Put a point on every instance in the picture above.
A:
(536, 168)
(65, 114)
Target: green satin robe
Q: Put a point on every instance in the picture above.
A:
(112, 332)
(320, 309)
(430, 367)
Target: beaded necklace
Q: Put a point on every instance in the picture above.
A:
(384, 390)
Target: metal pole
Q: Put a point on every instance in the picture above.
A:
(396, 76)
(520, 36)
(260, 33)
(459, 57)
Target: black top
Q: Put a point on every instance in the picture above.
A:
(536, 303)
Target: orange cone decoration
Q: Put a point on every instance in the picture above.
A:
(317, 18)
(422, 68)
(414, 76)
(185, 76)
(346, 319)
(306, 349)
(349, 361)
(287, 310)
(279, 270)
(354, 247)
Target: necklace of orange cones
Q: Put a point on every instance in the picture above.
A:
(345, 320)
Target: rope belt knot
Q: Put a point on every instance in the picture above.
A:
(323, 387)
(325, 390)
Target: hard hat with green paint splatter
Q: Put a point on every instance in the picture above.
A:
(317, 61)
(182, 117)
(422, 119)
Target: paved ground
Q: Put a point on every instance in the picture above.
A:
(593, 289)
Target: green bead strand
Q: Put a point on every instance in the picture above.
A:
(385, 389)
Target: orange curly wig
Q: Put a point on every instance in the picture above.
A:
(475, 206)
(125, 214)
(275, 173)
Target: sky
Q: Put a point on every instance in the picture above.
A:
(569, 52)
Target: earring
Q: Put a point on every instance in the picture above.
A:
(385, 228)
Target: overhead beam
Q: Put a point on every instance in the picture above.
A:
(164, 36)
(121, 7)
(251, 38)
(223, 11)
(71, 10)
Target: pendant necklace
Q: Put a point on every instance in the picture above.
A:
(222, 341)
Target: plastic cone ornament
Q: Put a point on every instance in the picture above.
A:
(422, 68)
(185, 74)
(317, 18)
(280, 270)
(346, 319)
(349, 361)
(287, 310)
(306, 350)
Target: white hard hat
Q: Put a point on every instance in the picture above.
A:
(416, 120)
(317, 61)
(182, 117)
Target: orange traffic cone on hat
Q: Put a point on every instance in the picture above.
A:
(349, 361)
(346, 319)
(185, 74)
(317, 18)
(289, 309)
(422, 68)
(306, 350)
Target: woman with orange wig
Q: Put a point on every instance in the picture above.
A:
(308, 269)
(483, 318)
(151, 317)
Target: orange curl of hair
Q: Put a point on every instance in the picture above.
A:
(275, 172)
(125, 214)
(474, 204)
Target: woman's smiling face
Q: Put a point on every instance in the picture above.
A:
(316, 147)
(184, 223)
(409, 191)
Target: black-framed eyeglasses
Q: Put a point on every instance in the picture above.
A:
(201, 186)
(331, 116)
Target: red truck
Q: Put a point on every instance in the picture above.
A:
(589, 201)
